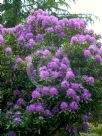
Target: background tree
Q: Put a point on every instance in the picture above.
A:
(14, 11)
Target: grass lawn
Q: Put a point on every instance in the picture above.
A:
(94, 130)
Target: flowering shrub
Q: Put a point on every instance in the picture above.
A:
(51, 76)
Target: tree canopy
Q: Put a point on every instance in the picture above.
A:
(14, 11)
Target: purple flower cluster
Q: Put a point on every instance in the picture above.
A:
(35, 94)
(64, 106)
(55, 68)
(43, 52)
(8, 49)
(82, 39)
(17, 120)
(88, 79)
(11, 133)
(86, 94)
(95, 52)
(19, 60)
(20, 101)
(58, 68)
(1, 40)
(37, 25)
(36, 107)
(85, 127)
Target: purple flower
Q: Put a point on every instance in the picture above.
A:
(4, 31)
(18, 113)
(87, 53)
(28, 58)
(62, 34)
(98, 58)
(44, 74)
(16, 93)
(19, 60)
(55, 110)
(30, 108)
(63, 106)
(74, 130)
(53, 65)
(35, 94)
(58, 53)
(77, 99)
(69, 75)
(90, 39)
(46, 52)
(29, 35)
(81, 38)
(38, 52)
(16, 106)
(17, 120)
(73, 106)
(65, 60)
(64, 84)
(39, 38)
(11, 133)
(85, 127)
(54, 74)
(1, 39)
(20, 101)
(43, 68)
(9, 113)
(21, 38)
(85, 117)
(47, 113)
(53, 91)
(86, 94)
(74, 40)
(39, 107)
(45, 90)
(90, 80)
(58, 28)
(88, 31)
(76, 85)
(30, 19)
(39, 89)
(56, 60)
(71, 93)
(9, 104)
(1, 26)
(31, 43)
(8, 49)
(63, 67)
(40, 117)
(92, 48)
(45, 21)
(49, 30)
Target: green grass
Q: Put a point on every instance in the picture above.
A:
(91, 134)
(94, 130)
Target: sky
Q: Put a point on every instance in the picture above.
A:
(92, 7)
(89, 7)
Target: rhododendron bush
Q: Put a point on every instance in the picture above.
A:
(51, 76)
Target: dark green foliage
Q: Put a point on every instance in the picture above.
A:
(14, 11)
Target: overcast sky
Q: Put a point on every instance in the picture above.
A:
(88, 6)
(91, 7)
